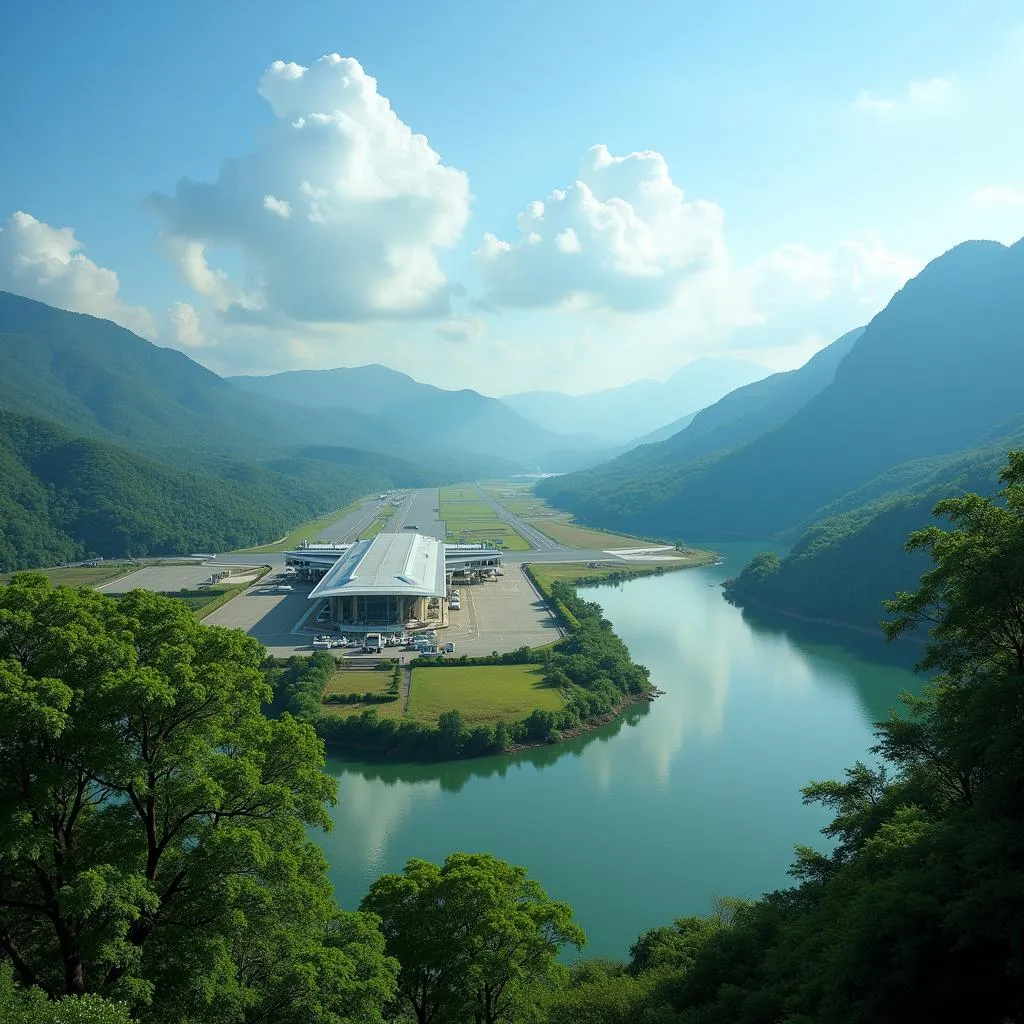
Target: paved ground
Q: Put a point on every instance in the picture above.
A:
(162, 578)
(348, 527)
(500, 616)
(268, 616)
(419, 510)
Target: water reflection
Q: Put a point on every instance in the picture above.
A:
(645, 819)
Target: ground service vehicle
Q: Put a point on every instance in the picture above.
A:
(373, 644)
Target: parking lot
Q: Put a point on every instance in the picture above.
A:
(165, 579)
(501, 615)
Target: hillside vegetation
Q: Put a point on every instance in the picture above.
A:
(157, 798)
(64, 498)
(954, 331)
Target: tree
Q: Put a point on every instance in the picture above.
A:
(473, 936)
(152, 820)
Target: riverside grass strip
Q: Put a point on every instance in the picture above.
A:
(484, 694)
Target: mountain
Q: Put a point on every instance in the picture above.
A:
(618, 415)
(665, 432)
(845, 565)
(98, 379)
(63, 497)
(933, 373)
(463, 419)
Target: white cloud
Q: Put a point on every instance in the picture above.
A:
(339, 212)
(183, 329)
(926, 95)
(999, 196)
(461, 329)
(621, 237)
(47, 264)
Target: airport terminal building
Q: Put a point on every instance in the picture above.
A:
(393, 582)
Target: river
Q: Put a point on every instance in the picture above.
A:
(693, 796)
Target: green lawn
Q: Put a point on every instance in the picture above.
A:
(575, 572)
(388, 709)
(583, 536)
(356, 680)
(471, 520)
(307, 531)
(81, 576)
(483, 693)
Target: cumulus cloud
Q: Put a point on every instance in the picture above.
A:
(861, 268)
(927, 94)
(183, 329)
(621, 237)
(461, 329)
(339, 212)
(47, 263)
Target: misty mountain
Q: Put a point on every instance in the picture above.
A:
(64, 497)
(933, 373)
(98, 379)
(619, 415)
(462, 419)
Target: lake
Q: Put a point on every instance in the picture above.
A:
(693, 796)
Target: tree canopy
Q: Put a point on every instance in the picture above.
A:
(152, 843)
(476, 938)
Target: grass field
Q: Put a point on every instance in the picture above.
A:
(483, 693)
(357, 681)
(390, 709)
(470, 519)
(577, 571)
(86, 576)
(307, 531)
(583, 536)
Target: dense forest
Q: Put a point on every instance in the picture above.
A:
(114, 446)
(155, 863)
(64, 497)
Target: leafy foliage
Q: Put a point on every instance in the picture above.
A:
(152, 820)
(475, 938)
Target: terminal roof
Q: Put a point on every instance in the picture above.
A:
(390, 563)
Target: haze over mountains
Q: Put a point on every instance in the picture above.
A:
(850, 448)
(620, 415)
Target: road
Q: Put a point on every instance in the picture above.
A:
(537, 540)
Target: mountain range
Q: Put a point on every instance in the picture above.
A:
(619, 416)
(846, 454)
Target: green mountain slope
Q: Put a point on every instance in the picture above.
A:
(64, 497)
(844, 565)
(462, 419)
(98, 379)
(932, 374)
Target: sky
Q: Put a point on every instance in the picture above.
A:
(508, 197)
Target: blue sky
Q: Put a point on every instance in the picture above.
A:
(801, 161)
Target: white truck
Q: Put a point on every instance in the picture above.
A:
(373, 643)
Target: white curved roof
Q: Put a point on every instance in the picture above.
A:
(391, 563)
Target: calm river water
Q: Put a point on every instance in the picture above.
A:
(695, 795)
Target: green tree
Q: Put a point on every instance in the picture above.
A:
(152, 821)
(474, 937)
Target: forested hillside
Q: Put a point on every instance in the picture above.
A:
(170, 818)
(844, 565)
(64, 497)
(934, 373)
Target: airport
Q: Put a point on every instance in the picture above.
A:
(391, 583)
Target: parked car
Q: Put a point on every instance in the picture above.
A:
(449, 648)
